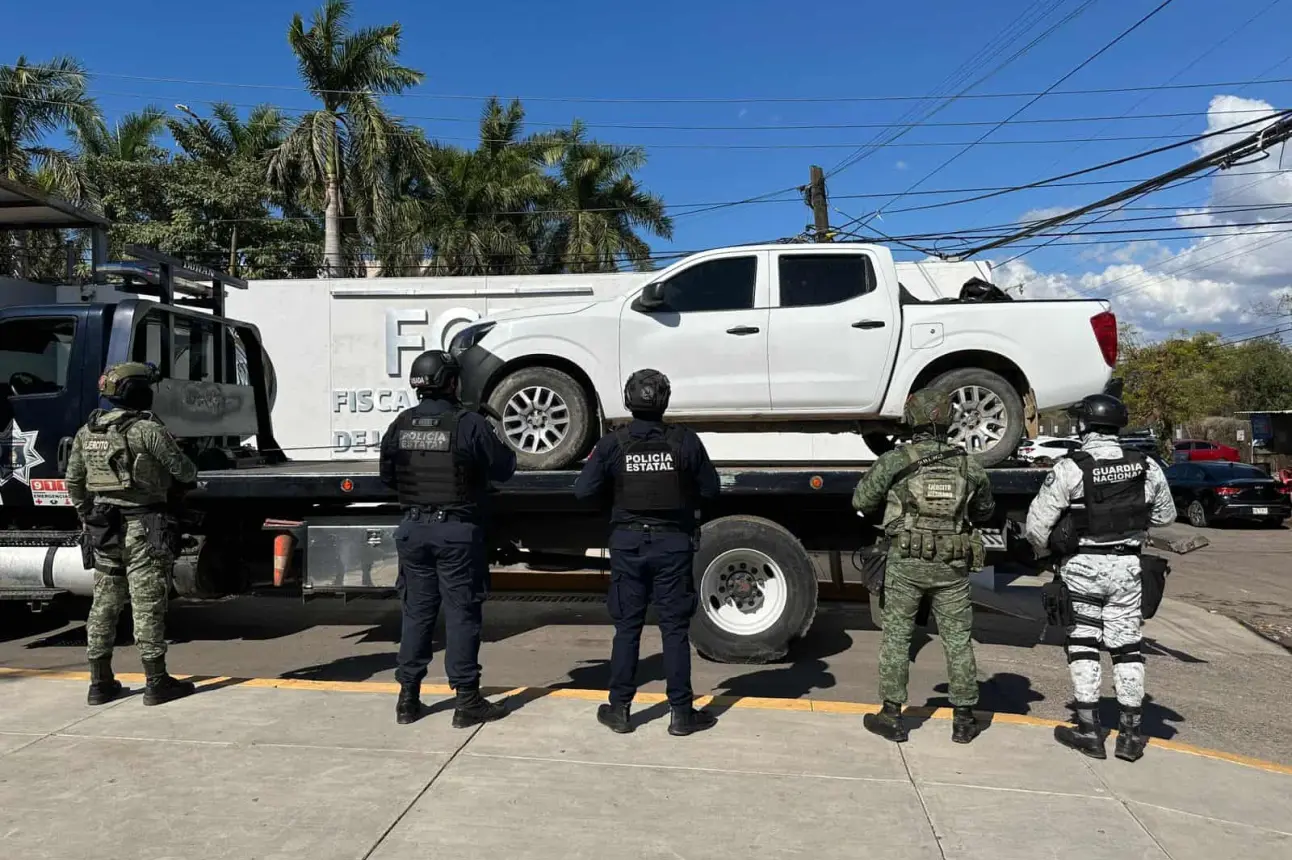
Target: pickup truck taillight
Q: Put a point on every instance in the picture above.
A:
(1105, 327)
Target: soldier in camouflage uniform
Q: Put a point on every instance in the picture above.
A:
(931, 492)
(120, 473)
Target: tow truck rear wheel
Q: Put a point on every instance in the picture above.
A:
(757, 591)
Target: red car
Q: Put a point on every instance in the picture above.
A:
(1198, 449)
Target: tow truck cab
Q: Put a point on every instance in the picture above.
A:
(215, 396)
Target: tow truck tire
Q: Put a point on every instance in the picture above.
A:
(975, 379)
(760, 563)
(565, 399)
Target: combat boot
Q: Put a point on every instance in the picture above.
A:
(103, 686)
(887, 723)
(1130, 740)
(472, 709)
(964, 726)
(615, 718)
(688, 721)
(1086, 738)
(409, 706)
(160, 687)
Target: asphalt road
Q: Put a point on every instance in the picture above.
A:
(1246, 574)
(1212, 682)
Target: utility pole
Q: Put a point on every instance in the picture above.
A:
(815, 197)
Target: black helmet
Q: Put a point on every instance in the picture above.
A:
(647, 391)
(434, 372)
(1100, 410)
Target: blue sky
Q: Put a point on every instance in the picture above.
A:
(763, 50)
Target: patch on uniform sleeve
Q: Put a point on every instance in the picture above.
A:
(1049, 479)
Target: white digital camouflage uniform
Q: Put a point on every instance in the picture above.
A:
(1113, 579)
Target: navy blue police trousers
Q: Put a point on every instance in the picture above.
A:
(648, 567)
(441, 563)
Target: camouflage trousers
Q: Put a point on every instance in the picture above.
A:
(145, 584)
(905, 584)
(1106, 592)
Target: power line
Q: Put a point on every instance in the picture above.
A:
(980, 60)
(1033, 100)
(672, 100)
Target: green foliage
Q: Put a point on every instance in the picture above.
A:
(345, 188)
(1186, 378)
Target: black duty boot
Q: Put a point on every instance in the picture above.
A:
(964, 725)
(887, 723)
(103, 687)
(409, 706)
(1130, 740)
(615, 718)
(1086, 737)
(688, 721)
(473, 709)
(160, 687)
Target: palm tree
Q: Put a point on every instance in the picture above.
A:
(477, 214)
(37, 100)
(596, 207)
(228, 145)
(347, 147)
(132, 138)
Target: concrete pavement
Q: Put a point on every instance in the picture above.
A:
(280, 768)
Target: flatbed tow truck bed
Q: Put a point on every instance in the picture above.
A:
(358, 481)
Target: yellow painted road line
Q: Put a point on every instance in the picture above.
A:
(584, 695)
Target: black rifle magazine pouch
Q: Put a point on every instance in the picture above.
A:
(1056, 600)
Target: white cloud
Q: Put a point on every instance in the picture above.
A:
(901, 165)
(743, 113)
(1213, 283)
(1043, 214)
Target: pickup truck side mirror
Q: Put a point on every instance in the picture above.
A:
(652, 298)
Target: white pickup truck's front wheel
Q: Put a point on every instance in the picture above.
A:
(546, 418)
(988, 420)
(756, 590)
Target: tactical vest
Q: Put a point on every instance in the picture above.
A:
(934, 494)
(651, 476)
(429, 469)
(1113, 492)
(110, 465)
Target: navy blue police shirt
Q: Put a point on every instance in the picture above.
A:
(598, 475)
(493, 459)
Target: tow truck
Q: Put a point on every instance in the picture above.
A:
(770, 548)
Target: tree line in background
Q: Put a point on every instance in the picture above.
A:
(343, 189)
(1178, 382)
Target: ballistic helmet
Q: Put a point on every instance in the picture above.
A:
(129, 384)
(434, 372)
(1100, 413)
(927, 408)
(647, 391)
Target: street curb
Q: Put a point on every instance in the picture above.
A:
(819, 706)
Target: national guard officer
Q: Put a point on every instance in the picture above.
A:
(1093, 512)
(120, 474)
(439, 457)
(932, 493)
(659, 475)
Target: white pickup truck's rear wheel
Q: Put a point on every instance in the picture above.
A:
(756, 590)
(989, 413)
(546, 418)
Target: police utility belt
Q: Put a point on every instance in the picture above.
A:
(433, 514)
(104, 530)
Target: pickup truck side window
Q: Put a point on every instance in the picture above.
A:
(35, 355)
(812, 280)
(715, 285)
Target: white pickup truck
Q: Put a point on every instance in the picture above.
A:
(793, 338)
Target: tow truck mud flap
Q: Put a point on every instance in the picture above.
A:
(350, 555)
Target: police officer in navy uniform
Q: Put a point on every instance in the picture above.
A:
(659, 475)
(439, 457)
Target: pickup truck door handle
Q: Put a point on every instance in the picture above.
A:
(868, 324)
(64, 454)
(743, 329)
